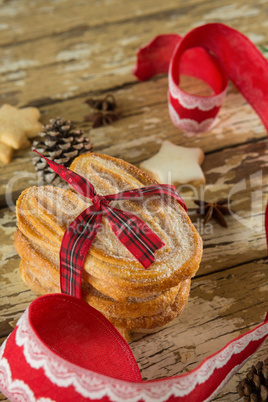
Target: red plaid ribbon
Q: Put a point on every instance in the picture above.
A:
(133, 233)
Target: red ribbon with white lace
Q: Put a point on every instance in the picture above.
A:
(213, 53)
(31, 371)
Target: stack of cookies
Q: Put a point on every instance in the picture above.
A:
(114, 282)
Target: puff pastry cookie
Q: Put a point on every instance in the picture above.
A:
(114, 282)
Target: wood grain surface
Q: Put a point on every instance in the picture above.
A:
(55, 55)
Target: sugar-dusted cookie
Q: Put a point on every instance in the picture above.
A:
(114, 282)
(176, 165)
(6, 153)
(18, 124)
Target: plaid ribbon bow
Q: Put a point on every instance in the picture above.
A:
(133, 233)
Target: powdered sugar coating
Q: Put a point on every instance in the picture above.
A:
(167, 219)
(45, 212)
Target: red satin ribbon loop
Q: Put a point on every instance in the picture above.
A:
(212, 52)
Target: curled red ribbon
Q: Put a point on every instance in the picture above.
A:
(132, 232)
(212, 52)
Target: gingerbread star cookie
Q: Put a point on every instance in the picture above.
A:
(176, 165)
(16, 126)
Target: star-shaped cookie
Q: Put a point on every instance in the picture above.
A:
(16, 125)
(176, 165)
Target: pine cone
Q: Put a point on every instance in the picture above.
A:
(254, 388)
(61, 142)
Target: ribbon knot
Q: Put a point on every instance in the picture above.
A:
(99, 201)
(130, 230)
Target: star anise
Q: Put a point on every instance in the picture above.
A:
(100, 119)
(105, 104)
(215, 210)
(106, 111)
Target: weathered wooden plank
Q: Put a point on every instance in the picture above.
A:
(145, 121)
(55, 56)
(217, 301)
(26, 21)
(144, 124)
(61, 66)
(240, 177)
(15, 296)
(217, 312)
(65, 17)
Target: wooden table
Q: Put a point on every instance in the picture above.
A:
(55, 55)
